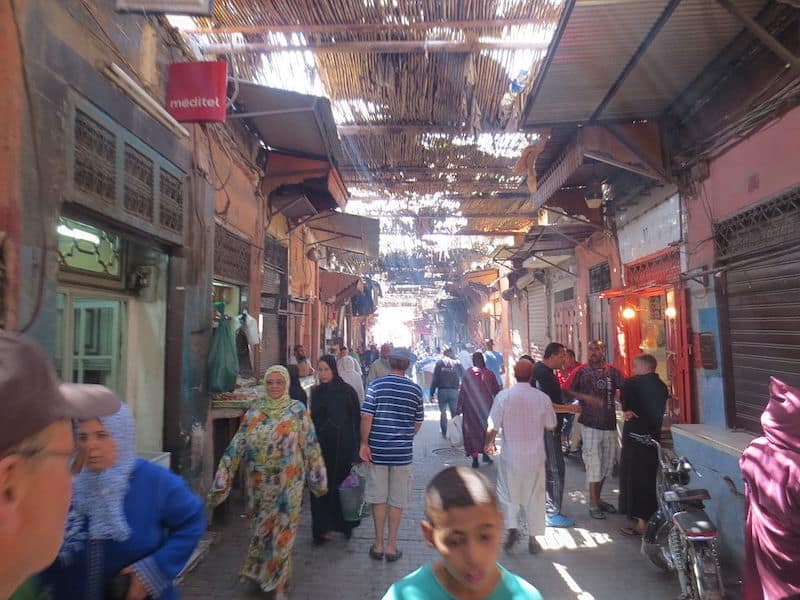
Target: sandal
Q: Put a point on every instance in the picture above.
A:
(596, 512)
(375, 555)
(607, 507)
(394, 557)
(630, 531)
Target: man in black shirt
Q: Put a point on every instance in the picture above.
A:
(446, 380)
(545, 379)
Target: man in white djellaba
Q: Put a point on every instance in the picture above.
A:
(523, 413)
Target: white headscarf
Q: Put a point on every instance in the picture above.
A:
(349, 372)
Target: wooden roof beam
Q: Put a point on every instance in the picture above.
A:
(367, 27)
(373, 47)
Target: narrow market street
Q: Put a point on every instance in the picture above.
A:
(590, 561)
(216, 213)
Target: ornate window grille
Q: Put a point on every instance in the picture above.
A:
(770, 224)
(599, 278)
(231, 256)
(171, 213)
(276, 255)
(94, 170)
(564, 295)
(138, 183)
(114, 173)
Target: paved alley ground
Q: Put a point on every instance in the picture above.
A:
(591, 561)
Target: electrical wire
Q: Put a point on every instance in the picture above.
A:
(37, 307)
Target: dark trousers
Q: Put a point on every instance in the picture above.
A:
(554, 471)
(448, 398)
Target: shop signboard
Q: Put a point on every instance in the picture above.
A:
(196, 91)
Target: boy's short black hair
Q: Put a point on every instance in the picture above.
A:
(552, 349)
(457, 487)
(648, 360)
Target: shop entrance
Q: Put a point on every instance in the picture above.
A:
(650, 317)
(90, 339)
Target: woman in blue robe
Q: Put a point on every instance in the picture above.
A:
(132, 525)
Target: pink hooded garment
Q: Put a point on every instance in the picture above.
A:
(771, 471)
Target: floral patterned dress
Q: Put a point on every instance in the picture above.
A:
(278, 443)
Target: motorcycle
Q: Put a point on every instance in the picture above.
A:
(680, 537)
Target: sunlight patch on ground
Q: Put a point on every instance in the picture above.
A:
(573, 585)
(578, 497)
(576, 538)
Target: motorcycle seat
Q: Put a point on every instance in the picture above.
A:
(694, 524)
(686, 495)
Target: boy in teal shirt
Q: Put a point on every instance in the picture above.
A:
(465, 525)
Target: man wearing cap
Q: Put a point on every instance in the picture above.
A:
(391, 416)
(597, 386)
(37, 456)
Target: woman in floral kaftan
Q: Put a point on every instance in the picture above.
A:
(279, 445)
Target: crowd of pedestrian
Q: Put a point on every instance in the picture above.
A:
(82, 517)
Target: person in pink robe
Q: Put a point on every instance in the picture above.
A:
(771, 472)
(479, 386)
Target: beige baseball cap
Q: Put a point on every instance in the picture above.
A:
(33, 398)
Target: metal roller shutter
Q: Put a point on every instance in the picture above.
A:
(763, 305)
(537, 320)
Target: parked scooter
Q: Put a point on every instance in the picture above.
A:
(680, 536)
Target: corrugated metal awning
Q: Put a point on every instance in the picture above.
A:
(660, 46)
(289, 121)
(337, 288)
(352, 233)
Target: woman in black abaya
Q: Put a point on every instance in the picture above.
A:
(336, 414)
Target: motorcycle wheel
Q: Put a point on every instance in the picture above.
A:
(656, 547)
(704, 573)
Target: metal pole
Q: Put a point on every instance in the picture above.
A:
(372, 47)
(762, 34)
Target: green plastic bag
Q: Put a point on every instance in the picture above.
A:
(223, 364)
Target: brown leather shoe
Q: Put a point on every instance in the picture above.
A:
(511, 539)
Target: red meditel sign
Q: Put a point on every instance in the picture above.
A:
(196, 91)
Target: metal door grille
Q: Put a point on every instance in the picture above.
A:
(170, 213)
(138, 183)
(94, 167)
(231, 256)
(664, 267)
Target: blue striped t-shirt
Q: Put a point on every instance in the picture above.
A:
(395, 404)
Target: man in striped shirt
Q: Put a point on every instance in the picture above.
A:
(391, 416)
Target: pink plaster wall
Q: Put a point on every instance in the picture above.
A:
(763, 165)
